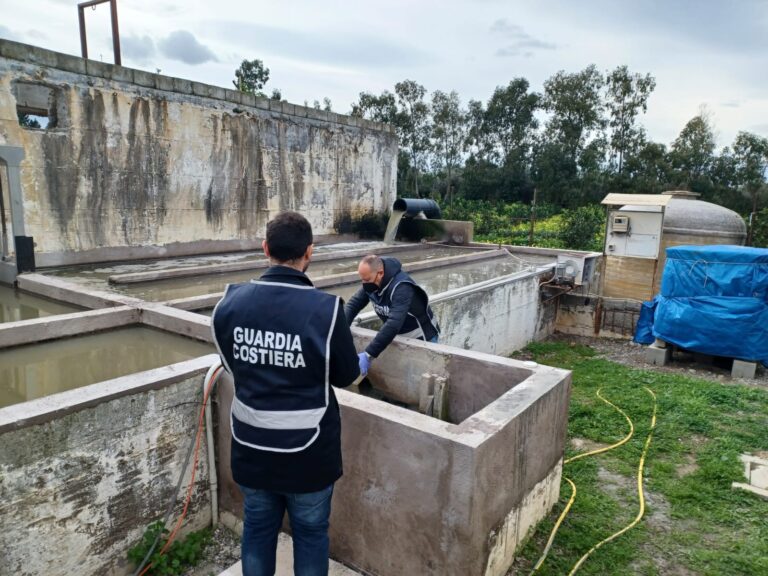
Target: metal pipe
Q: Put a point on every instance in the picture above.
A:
(115, 32)
(83, 40)
(413, 206)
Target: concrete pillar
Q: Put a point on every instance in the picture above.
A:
(12, 156)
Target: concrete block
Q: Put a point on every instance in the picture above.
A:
(182, 86)
(275, 106)
(288, 108)
(41, 56)
(13, 50)
(262, 103)
(317, 114)
(657, 356)
(70, 63)
(247, 99)
(742, 369)
(121, 73)
(200, 89)
(217, 92)
(164, 82)
(146, 79)
(233, 96)
(755, 471)
(300, 111)
(98, 69)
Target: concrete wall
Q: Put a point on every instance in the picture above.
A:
(497, 317)
(424, 496)
(83, 473)
(138, 159)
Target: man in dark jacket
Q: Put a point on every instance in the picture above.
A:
(286, 344)
(401, 304)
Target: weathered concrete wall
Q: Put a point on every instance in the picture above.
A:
(82, 474)
(497, 316)
(424, 496)
(137, 159)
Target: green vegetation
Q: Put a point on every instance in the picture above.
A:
(180, 555)
(694, 522)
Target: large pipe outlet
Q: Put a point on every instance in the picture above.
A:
(414, 206)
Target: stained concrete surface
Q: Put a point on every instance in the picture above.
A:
(15, 306)
(34, 371)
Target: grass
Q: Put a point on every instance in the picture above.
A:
(695, 523)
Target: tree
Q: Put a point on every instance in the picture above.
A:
(627, 96)
(27, 121)
(576, 107)
(509, 121)
(276, 94)
(750, 153)
(251, 77)
(413, 124)
(449, 127)
(382, 108)
(693, 151)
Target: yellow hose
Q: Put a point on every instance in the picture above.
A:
(573, 486)
(641, 494)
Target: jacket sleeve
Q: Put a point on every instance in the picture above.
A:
(344, 366)
(358, 301)
(398, 311)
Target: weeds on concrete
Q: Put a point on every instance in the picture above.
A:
(694, 522)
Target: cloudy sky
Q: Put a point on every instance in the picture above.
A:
(711, 53)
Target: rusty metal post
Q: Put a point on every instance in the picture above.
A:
(115, 29)
(83, 40)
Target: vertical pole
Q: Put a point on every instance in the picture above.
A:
(115, 32)
(533, 218)
(83, 41)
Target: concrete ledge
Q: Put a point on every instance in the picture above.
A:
(177, 321)
(196, 271)
(63, 291)
(55, 406)
(63, 325)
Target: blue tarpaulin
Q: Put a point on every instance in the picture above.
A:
(714, 300)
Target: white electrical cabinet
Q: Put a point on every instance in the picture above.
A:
(634, 232)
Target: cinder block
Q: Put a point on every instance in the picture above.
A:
(657, 356)
(233, 96)
(275, 106)
(247, 99)
(200, 89)
(288, 108)
(98, 69)
(217, 92)
(742, 369)
(262, 103)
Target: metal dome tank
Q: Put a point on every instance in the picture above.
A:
(689, 221)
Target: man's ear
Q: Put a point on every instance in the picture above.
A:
(308, 253)
(265, 248)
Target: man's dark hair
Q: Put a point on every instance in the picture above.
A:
(288, 236)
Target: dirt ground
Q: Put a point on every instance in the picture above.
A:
(683, 363)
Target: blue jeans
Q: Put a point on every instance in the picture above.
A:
(308, 514)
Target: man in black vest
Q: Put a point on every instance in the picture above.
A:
(401, 304)
(286, 344)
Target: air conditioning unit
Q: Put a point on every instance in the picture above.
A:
(576, 269)
(620, 224)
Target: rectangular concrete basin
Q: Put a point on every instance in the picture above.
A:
(421, 495)
(16, 306)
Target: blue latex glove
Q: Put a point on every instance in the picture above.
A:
(365, 363)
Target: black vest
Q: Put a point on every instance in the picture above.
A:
(419, 323)
(275, 340)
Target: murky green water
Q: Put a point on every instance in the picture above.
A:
(37, 370)
(156, 291)
(15, 306)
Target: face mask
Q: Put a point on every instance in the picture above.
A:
(370, 287)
